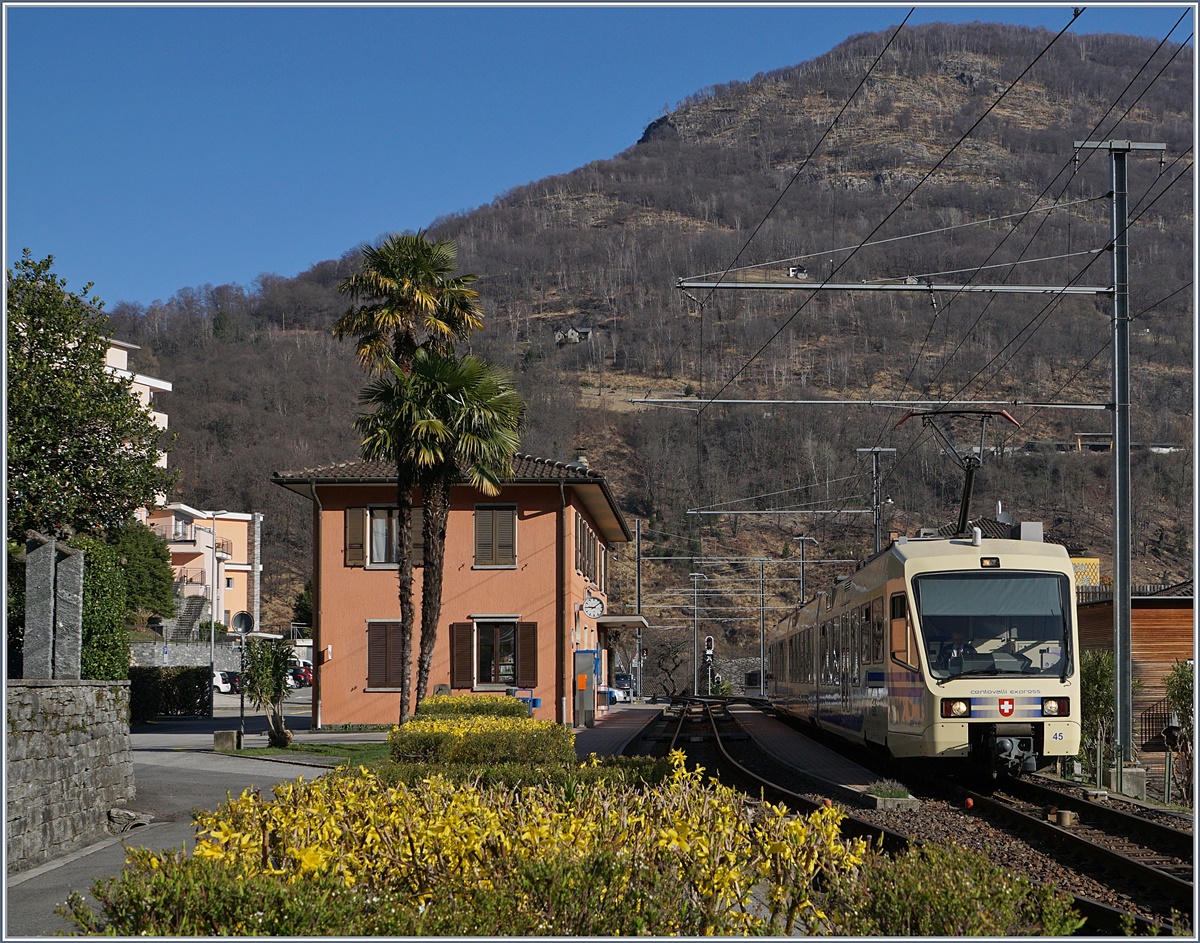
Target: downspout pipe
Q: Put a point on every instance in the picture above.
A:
(318, 512)
(565, 668)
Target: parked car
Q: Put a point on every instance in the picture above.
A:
(220, 684)
(622, 696)
(300, 675)
(234, 679)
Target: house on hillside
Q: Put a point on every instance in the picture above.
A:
(524, 596)
(116, 362)
(217, 559)
(215, 555)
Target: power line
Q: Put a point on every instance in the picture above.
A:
(929, 173)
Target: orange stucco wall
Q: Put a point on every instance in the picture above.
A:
(347, 597)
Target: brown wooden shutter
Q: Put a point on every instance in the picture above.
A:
(356, 534)
(485, 552)
(506, 536)
(377, 672)
(462, 654)
(395, 665)
(527, 675)
(418, 535)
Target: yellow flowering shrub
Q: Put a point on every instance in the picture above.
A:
(733, 865)
(482, 738)
(464, 705)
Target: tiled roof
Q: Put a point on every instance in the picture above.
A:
(525, 468)
(592, 487)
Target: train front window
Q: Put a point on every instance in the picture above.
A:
(993, 623)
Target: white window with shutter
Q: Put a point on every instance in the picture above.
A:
(371, 537)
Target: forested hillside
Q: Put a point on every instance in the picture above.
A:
(947, 158)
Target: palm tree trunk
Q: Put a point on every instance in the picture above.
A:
(437, 512)
(405, 586)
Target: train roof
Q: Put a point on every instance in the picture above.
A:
(927, 549)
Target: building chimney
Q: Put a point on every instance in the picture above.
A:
(581, 457)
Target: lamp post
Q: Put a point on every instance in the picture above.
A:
(212, 613)
(803, 598)
(696, 578)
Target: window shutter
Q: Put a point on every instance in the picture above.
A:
(462, 654)
(506, 536)
(527, 676)
(418, 538)
(484, 547)
(356, 532)
(377, 655)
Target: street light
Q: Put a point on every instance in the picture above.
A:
(696, 578)
(212, 614)
(803, 598)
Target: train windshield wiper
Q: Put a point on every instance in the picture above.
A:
(973, 671)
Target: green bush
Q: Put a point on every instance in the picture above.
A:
(105, 654)
(471, 705)
(186, 896)
(168, 692)
(943, 891)
(194, 897)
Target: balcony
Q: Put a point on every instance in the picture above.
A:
(183, 532)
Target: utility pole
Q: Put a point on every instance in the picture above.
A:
(637, 579)
(1122, 516)
(875, 503)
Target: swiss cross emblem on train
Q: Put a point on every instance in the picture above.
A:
(1006, 706)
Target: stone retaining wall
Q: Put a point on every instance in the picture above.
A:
(183, 655)
(68, 761)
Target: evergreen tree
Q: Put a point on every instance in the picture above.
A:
(82, 450)
(146, 563)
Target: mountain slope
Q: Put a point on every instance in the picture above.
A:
(757, 177)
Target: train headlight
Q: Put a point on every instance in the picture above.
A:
(1056, 706)
(956, 708)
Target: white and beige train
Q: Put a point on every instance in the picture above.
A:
(962, 649)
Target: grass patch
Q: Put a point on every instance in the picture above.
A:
(368, 754)
(888, 789)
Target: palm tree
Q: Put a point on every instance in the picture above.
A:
(447, 420)
(266, 684)
(483, 415)
(406, 296)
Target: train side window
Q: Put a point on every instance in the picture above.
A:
(864, 636)
(903, 651)
(877, 629)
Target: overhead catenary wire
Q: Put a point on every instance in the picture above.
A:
(904, 200)
(1074, 163)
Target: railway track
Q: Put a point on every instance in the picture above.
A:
(707, 732)
(1158, 855)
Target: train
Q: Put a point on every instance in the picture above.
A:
(959, 650)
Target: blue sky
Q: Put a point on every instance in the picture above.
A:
(155, 148)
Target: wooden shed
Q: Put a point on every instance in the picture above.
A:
(1162, 632)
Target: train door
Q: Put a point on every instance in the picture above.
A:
(906, 693)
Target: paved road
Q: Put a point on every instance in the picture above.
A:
(175, 772)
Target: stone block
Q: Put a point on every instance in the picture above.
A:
(68, 614)
(225, 740)
(39, 607)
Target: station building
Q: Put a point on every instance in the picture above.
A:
(525, 603)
